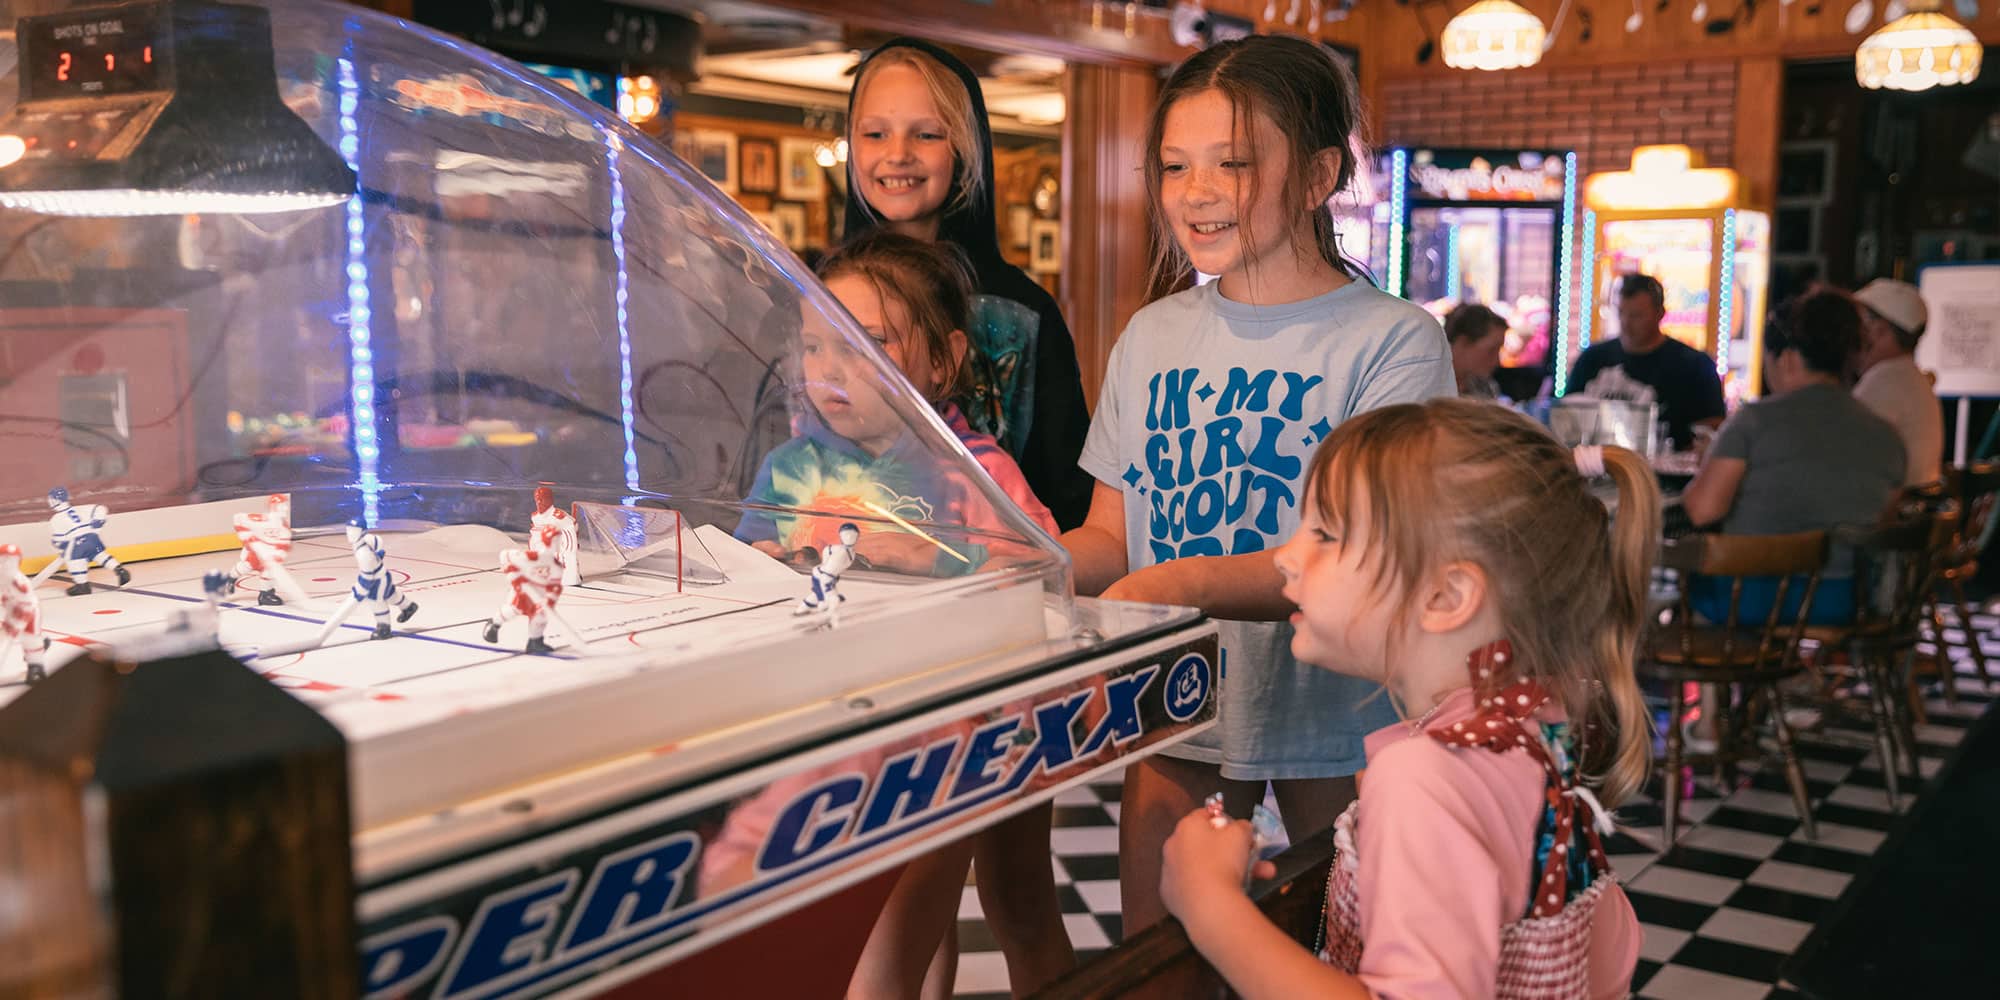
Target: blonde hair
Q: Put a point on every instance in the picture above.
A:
(954, 108)
(1467, 480)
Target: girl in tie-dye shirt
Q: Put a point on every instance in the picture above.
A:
(855, 453)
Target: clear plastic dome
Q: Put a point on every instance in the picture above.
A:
(520, 289)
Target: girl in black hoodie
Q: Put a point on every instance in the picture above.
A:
(920, 162)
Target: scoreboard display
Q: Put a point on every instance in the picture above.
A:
(95, 53)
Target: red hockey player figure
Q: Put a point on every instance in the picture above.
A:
(534, 584)
(20, 613)
(267, 542)
(73, 532)
(547, 513)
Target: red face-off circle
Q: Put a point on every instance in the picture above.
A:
(88, 359)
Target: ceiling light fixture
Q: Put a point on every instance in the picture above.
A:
(1493, 35)
(1922, 49)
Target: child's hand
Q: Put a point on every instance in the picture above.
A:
(897, 551)
(1204, 861)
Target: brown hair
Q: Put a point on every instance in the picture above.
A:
(1642, 284)
(1471, 321)
(1467, 480)
(954, 108)
(1824, 326)
(902, 268)
(1307, 93)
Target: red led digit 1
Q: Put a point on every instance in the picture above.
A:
(110, 62)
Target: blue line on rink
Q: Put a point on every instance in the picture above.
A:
(267, 612)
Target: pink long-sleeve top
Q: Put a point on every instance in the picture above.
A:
(1446, 848)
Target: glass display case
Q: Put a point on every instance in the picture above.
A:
(1685, 224)
(373, 314)
(1494, 227)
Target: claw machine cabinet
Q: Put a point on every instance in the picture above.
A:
(1495, 227)
(1687, 225)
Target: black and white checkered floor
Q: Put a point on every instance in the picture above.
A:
(1722, 911)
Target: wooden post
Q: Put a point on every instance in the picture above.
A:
(177, 828)
(1106, 228)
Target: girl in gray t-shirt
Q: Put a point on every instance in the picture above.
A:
(1212, 403)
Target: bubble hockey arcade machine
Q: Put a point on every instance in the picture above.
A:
(439, 281)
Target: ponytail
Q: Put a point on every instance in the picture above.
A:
(1620, 765)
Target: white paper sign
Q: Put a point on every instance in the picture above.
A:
(1961, 343)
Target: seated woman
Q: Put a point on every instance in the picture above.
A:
(1807, 457)
(1476, 335)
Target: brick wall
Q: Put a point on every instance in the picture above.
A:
(1602, 112)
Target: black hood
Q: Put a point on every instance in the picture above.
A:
(969, 224)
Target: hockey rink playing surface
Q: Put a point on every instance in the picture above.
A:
(436, 664)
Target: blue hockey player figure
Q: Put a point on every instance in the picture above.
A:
(372, 585)
(73, 532)
(833, 561)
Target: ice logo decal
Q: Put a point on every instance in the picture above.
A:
(1187, 687)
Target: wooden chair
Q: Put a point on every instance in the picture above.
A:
(1936, 496)
(1733, 653)
(1976, 487)
(1897, 562)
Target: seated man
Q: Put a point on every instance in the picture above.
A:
(1806, 458)
(1892, 318)
(1683, 380)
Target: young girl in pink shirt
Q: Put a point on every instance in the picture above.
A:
(1453, 552)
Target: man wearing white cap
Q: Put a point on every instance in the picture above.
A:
(1892, 318)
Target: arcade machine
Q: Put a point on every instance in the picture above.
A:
(656, 654)
(1685, 224)
(1496, 227)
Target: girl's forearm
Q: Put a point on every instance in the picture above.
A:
(1239, 588)
(1259, 960)
(1098, 559)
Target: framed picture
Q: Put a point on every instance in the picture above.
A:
(800, 177)
(715, 157)
(760, 166)
(791, 218)
(1019, 221)
(683, 145)
(1045, 247)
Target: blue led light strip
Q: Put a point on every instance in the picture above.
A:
(1452, 274)
(626, 410)
(1399, 207)
(1586, 290)
(360, 351)
(1565, 272)
(1725, 300)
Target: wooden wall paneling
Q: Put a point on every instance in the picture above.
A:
(1106, 247)
(1760, 97)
